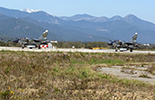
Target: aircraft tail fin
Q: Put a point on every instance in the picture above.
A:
(134, 38)
(44, 35)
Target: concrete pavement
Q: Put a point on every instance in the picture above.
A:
(75, 50)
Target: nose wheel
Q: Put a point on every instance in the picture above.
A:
(116, 49)
(22, 46)
(131, 50)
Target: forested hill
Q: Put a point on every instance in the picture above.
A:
(81, 27)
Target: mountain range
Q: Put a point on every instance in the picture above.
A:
(80, 27)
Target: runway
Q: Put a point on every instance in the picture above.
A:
(74, 50)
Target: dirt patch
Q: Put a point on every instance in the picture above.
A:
(130, 73)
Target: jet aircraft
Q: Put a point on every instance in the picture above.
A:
(124, 46)
(32, 43)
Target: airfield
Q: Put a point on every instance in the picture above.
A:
(75, 50)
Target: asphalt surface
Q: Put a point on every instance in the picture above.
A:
(117, 71)
(75, 50)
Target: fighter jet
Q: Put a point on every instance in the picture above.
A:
(33, 43)
(124, 46)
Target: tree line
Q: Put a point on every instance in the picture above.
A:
(90, 45)
(77, 44)
(65, 44)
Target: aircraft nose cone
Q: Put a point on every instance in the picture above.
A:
(110, 43)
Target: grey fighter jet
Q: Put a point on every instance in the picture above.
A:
(33, 43)
(124, 46)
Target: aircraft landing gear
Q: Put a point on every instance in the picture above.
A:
(39, 47)
(22, 46)
(131, 50)
(116, 49)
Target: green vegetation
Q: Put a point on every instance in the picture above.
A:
(8, 44)
(70, 44)
(57, 75)
(90, 45)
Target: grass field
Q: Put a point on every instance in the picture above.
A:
(63, 76)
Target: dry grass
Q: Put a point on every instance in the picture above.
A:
(56, 75)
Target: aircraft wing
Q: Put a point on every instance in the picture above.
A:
(129, 43)
(36, 40)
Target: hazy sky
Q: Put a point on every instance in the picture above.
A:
(144, 9)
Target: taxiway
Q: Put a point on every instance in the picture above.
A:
(74, 50)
